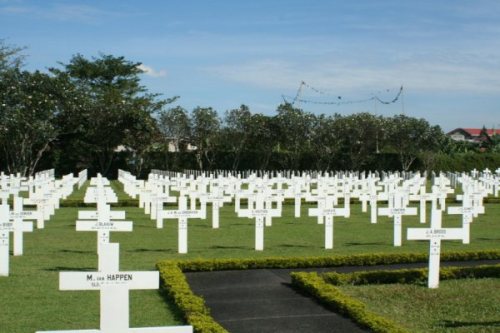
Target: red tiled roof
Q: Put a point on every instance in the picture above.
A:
(477, 131)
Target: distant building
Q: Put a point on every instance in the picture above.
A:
(172, 148)
(470, 134)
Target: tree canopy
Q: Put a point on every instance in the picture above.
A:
(95, 113)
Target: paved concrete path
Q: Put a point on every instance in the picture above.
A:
(262, 300)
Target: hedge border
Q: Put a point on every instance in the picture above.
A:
(323, 288)
(331, 297)
(409, 276)
(197, 314)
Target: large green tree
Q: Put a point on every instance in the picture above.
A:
(326, 141)
(410, 137)
(295, 133)
(236, 133)
(175, 126)
(205, 127)
(30, 105)
(117, 111)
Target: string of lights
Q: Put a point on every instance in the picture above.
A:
(339, 100)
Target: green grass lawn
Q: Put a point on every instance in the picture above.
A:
(30, 299)
(459, 306)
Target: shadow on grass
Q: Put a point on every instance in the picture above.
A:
(153, 250)
(77, 251)
(454, 323)
(294, 245)
(70, 269)
(218, 247)
(366, 244)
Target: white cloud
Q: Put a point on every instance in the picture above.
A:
(425, 73)
(150, 71)
(62, 12)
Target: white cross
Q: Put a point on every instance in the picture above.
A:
(4, 197)
(324, 201)
(104, 225)
(160, 200)
(5, 228)
(182, 214)
(114, 289)
(328, 214)
(217, 198)
(259, 214)
(423, 198)
(18, 216)
(297, 193)
(42, 208)
(467, 211)
(374, 198)
(434, 235)
(397, 212)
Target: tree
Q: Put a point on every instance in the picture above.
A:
(29, 106)
(117, 109)
(326, 141)
(10, 57)
(409, 137)
(361, 135)
(175, 126)
(263, 139)
(295, 130)
(236, 132)
(205, 125)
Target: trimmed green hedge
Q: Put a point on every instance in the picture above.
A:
(334, 299)
(331, 261)
(322, 288)
(193, 307)
(197, 314)
(407, 276)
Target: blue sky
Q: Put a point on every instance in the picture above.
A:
(446, 53)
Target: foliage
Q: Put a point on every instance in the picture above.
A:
(409, 137)
(410, 275)
(197, 314)
(236, 133)
(193, 307)
(31, 105)
(197, 265)
(334, 299)
(117, 110)
(205, 126)
(95, 114)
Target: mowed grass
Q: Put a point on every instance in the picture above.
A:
(30, 299)
(458, 306)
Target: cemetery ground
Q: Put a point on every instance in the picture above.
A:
(31, 300)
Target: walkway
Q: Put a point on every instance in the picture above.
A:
(262, 300)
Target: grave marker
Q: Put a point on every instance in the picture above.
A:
(18, 216)
(114, 287)
(435, 234)
(5, 228)
(398, 211)
(259, 214)
(182, 214)
(328, 214)
(104, 225)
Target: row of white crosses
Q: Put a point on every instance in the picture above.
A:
(15, 221)
(326, 195)
(102, 220)
(262, 193)
(114, 285)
